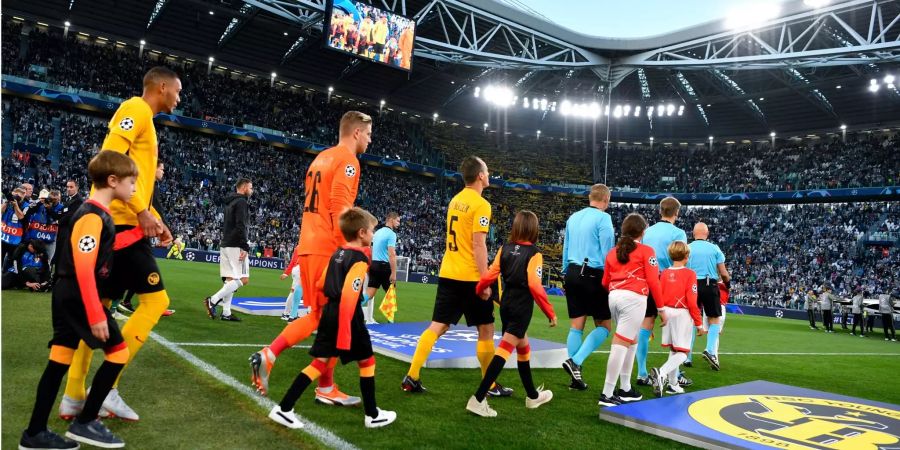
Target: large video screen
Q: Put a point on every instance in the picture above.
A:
(371, 33)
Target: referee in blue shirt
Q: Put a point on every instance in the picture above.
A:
(659, 236)
(708, 261)
(383, 271)
(589, 237)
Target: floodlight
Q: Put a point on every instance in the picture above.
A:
(637, 111)
(888, 79)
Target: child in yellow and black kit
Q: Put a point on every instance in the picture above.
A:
(83, 269)
(520, 264)
(342, 330)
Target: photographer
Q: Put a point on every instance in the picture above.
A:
(28, 268)
(71, 203)
(13, 212)
(43, 224)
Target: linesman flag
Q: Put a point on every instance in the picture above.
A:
(389, 304)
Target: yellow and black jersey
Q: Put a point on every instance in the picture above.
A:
(468, 213)
(132, 132)
(88, 256)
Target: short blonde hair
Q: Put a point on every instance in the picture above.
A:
(679, 251)
(599, 193)
(352, 120)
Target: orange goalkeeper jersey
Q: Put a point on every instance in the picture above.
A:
(332, 181)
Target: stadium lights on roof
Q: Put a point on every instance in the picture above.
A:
(382, 102)
(888, 79)
(143, 42)
(435, 115)
(211, 59)
(67, 23)
(637, 111)
(762, 98)
(617, 111)
(874, 87)
(330, 89)
(212, 13)
(485, 125)
(670, 108)
(274, 74)
(843, 127)
(285, 33)
(501, 96)
(772, 134)
(816, 3)
(752, 15)
(477, 92)
(710, 139)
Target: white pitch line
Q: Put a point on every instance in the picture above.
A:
(225, 344)
(316, 431)
(228, 344)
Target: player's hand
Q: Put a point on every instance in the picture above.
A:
(283, 276)
(486, 293)
(393, 278)
(701, 331)
(165, 237)
(553, 322)
(151, 225)
(662, 318)
(100, 331)
(242, 255)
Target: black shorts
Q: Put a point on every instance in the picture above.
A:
(708, 297)
(455, 299)
(380, 275)
(134, 269)
(515, 315)
(651, 307)
(325, 345)
(585, 295)
(70, 322)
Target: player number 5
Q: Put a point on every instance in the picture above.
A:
(451, 246)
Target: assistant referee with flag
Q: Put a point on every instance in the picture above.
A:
(383, 271)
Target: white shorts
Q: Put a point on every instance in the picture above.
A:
(230, 265)
(628, 309)
(679, 329)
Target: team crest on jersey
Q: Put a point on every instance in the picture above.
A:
(126, 124)
(87, 244)
(794, 422)
(153, 279)
(357, 284)
(652, 261)
(484, 221)
(540, 272)
(350, 171)
(694, 288)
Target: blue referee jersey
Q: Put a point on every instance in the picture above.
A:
(589, 234)
(704, 258)
(659, 237)
(385, 237)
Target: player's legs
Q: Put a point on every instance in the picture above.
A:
(79, 366)
(643, 345)
(484, 348)
(627, 309)
(137, 330)
(48, 387)
(369, 307)
(423, 349)
(507, 345)
(306, 376)
(593, 341)
(887, 324)
(311, 269)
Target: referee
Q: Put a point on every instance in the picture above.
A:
(708, 262)
(589, 237)
(383, 271)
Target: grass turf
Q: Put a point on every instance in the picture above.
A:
(182, 407)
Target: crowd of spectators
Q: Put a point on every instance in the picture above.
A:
(773, 251)
(238, 99)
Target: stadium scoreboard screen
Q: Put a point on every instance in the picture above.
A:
(370, 33)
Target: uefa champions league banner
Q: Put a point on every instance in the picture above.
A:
(30, 88)
(203, 256)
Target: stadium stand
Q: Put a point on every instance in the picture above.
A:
(116, 71)
(776, 249)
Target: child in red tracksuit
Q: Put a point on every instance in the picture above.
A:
(631, 273)
(520, 263)
(679, 290)
(295, 298)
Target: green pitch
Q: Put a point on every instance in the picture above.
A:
(182, 407)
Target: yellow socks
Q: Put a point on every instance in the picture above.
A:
(423, 349)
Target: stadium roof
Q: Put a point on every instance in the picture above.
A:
(804, 70)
